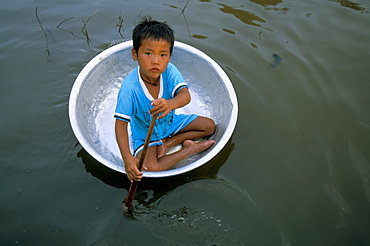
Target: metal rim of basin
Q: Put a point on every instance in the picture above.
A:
(83, 75)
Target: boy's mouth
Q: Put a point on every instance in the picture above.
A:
(154, 69)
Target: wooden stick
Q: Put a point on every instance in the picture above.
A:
(134, 184)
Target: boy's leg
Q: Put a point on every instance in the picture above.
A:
(198, 128)
(151, 163)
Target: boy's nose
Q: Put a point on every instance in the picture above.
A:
(155, 60)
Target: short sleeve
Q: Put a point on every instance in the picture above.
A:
(175, 80)
(125, 100)
(124, 109)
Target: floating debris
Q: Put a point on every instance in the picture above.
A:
(276, 62)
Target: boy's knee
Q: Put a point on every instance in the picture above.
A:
(210, 127)
(152, 166)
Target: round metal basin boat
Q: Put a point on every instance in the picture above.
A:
(93, 99)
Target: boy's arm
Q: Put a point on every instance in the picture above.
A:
(164, 106)
(133, 173)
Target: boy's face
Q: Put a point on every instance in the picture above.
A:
(153, 58)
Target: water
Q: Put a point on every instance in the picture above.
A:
(296, 171)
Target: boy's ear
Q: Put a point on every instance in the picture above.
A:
(134, 54)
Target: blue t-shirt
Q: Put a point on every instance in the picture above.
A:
(134, 103)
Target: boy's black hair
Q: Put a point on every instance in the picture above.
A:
(154, 30)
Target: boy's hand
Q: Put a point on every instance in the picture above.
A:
(161, 105)
(131, 169)
(164, 106)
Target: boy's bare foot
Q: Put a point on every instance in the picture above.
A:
(194, 147)
(161, 150)
(197, 147)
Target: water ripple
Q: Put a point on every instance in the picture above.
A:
(208, 212)
(362, 166)
(337, 198)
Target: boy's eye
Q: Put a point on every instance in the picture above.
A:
(163, 55)
(147, 53)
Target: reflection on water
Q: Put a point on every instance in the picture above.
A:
(352, 5)
(228, 31)
(182, 13)
(197, 36)
(266, 2)
(244, 16)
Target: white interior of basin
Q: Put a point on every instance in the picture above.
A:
(93, 100)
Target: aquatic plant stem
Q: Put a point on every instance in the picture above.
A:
(120, 25)
(46, 36)
(134, 184)
(84, 30)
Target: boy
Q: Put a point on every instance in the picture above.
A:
(155, 89)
